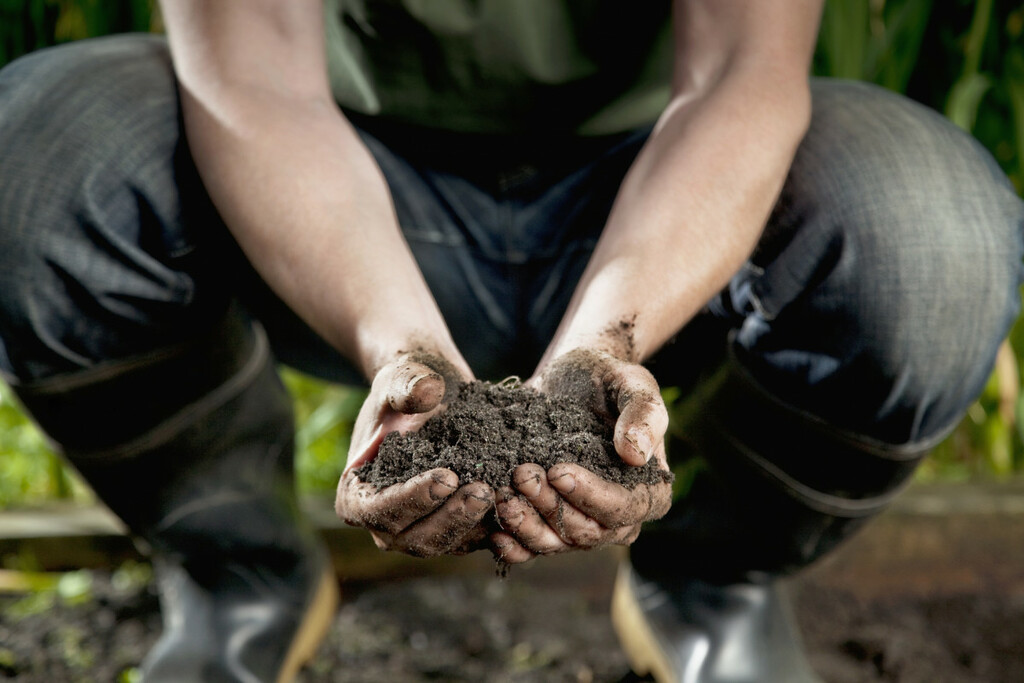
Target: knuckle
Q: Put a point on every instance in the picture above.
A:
(546, 545)
(528, 535)
(416, 547)
(382, 541)
(588, 537)
(627, 535)
(515, 554)
(660, 508)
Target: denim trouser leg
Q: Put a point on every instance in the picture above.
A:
(889, 272)
(101, 211)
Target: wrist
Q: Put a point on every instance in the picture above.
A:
(616, 337)
(378, 346)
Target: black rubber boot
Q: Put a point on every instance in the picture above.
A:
(686, 629)
(193, 448)
(702, 601)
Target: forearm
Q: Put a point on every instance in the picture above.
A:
(688, 214)
(311, 211)
(291, 178)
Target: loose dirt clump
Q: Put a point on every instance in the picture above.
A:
(488, 429)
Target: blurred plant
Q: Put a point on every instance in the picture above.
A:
(29, 469)
(44, 590)
(872, 40)
(325, 414)
(27, 25)
(972, 49)
(987, 98)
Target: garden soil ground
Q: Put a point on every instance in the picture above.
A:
(546, 622)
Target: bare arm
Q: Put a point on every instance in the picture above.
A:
(693, 205)
(687, 215)
(311, 210)
(297, 188)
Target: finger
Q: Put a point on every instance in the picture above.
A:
(643, 418)
(521, 521)
(470, 541)
(475, 539)
(626, 535)
(396, 507)
(572, 526)
(611, 505)
(415, 388)
(450, 525)
(507, 549)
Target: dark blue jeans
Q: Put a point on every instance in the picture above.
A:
(876, 299)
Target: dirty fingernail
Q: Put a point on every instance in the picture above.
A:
(475, 505)
(507, 520)
(641, 443)
(440, 490)
(565, 483)
(529, 486)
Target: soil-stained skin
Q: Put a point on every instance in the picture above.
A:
(441, 366)
(487, 430)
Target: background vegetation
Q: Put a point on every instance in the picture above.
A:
(962, 57)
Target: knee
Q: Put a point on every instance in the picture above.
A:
(902, 276)
(92, 86)
(76, 117)
(78, 123)
(90, 201)
(926, 229)
(929, 309)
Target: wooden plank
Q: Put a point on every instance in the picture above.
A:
(936, 538)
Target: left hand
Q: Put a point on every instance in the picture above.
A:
(429, 514)
(569, 507)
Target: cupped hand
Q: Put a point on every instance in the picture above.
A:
(569, 507)
(430, 514)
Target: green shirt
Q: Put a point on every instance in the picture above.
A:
(588, 67)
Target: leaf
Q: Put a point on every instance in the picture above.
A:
(341, 409)
(896, 55)
(965, 98)
(843, 38)
(998, 445)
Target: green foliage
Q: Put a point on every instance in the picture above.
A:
(962, 57)
(29, 470)
(325, 414)
(867, 40)
(27, 25)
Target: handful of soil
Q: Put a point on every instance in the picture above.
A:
(488, 429)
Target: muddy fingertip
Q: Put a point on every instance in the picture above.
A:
(418, 391)
(635, 446)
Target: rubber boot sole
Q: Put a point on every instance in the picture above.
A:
(634, 632)
(314, 627)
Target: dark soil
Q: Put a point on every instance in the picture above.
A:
(547, 623)
(488, 429)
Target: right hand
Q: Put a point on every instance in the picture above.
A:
(430, 514)
(569, 507)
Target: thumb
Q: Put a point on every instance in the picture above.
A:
(415, 388)
(642, 423)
